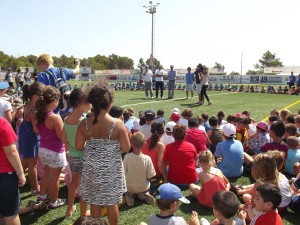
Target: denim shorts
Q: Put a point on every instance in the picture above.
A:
(10, 201)
(52, 159)
(76, 164)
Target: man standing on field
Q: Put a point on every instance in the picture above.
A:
(171, 83)
(159, 83)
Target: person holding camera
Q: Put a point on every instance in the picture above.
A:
(198, 72)
(45, 64)
(147, 76)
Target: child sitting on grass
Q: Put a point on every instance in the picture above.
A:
(261, 137)
(211, 179)
(225, 205)
(215, 134)
(283, 182)
(266, 199)
(264, 170)
(138, 171)
(293, 155)
(167, 200)
(277, 130)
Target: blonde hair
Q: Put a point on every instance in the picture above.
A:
(283, 113)
(265, 168)
(137, 140)
(297, 119)
(45, 58)
(279, 158)
(207, 157)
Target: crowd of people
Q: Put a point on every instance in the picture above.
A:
(113, 155)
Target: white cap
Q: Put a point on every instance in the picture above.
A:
(169, 126)
(176, 110)
(229, 130)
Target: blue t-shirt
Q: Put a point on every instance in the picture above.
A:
(189, 78)
(44, 78)
(293, 156)
(232, 154)
(292, 79)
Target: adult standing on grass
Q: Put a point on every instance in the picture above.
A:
(11, 175)
(148, 81)
(9, 78)
(292, 80)
(159, 81)
(204, 86)
(198, 73)
(45, 64)
(171, 82)
(189, 83)
(102, 137)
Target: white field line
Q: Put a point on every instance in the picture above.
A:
(152, 102)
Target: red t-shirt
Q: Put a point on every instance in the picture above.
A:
(153, 155)
(197, 138)
(269, 218)
(180, 156)
(8, 137)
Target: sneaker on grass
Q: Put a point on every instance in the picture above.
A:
(58, 203)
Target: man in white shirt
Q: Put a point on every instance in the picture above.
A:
(148, 81)
(159, 84)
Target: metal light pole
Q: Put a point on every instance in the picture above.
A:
(151, 10)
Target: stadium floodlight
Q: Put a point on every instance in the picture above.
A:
(151, 10)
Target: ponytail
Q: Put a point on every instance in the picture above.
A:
(153, 140)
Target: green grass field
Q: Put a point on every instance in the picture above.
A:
(259, 105)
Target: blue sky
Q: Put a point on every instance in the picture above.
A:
(186, 31)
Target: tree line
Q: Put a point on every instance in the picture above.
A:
(98, 62)
(113, 61)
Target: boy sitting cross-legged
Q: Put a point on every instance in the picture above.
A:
(138, 172)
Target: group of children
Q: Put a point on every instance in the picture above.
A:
(45, 138)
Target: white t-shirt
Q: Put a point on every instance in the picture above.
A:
(146, 131)
(159, 72)
(9, 77)
(148, 76)
(166, 139)
(4, 106)
(138, 170)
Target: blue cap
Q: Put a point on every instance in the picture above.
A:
(171, 192)
(3, 85)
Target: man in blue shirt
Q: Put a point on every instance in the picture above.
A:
(292, 80)
(45, 63)
(171, 82)
(189, 83)
(229, 154)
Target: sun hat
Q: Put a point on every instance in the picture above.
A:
(229, 130)
(262, 125)
(169, 191)
(3, 85)
(169, 126)
(176, 110)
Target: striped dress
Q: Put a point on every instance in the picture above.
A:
(103, 180)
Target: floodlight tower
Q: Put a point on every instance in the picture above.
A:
(151, 9)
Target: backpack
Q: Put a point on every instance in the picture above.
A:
(64, 89)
